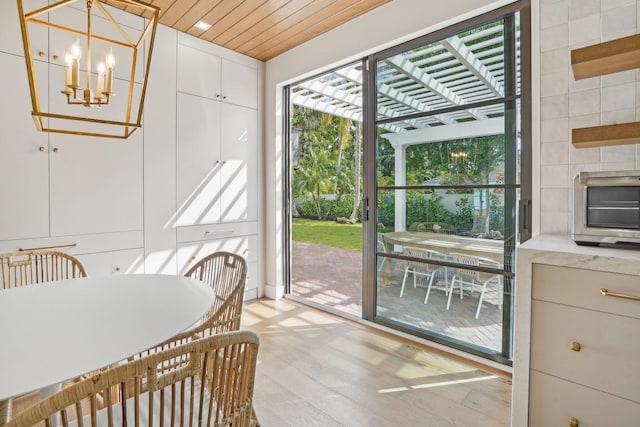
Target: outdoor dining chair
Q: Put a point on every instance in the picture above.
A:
(422, 268)
(474, 278)
(36, 266)
(212, 384)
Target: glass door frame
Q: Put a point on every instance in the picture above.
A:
(523, 228)
(369, 188)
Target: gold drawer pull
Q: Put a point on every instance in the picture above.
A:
(573, 422)
(71, 245)
(575, 346)
(606, 293)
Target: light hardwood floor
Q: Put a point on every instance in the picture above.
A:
(317, 369)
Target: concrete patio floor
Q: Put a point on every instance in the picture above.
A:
(333, 277)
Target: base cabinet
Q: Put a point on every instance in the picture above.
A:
(129, 261)
(241, 238)
(584, 348)
(557, 402)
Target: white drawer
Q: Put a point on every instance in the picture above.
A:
(581, 288)
(117, 262)
(609, 354)
(190, 253)
(216, 231)
(553, 402)
(80, 244)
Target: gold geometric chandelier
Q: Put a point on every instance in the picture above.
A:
(85, 41)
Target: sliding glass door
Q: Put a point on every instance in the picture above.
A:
(407, 173)
(325, 176)
(448, 137)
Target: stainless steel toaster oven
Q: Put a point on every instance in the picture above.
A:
(606, 208)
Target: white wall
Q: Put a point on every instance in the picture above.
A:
(566, 103)
(388, 25)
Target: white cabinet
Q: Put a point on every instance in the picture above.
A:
(59, 185)
(217, 156)
(208, 75)
(198, 72)
(96, 185)
(62, 189)
(216, 167)
(197, 242)
(239, 84)
(10, 35)
(24, 158)
(129, 261)
(583, 348)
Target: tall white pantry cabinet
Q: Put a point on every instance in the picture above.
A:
(184, 185)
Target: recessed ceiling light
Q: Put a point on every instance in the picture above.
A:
(201, 25)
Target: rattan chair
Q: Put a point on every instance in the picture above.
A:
(226, 273)
(210, 382)
(36, 266)
(28, 267)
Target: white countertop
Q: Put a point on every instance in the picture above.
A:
(561, 250)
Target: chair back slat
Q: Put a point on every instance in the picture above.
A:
(226, 273)
(425, 254)
(37, 266)
(216, 391)
(465, 259)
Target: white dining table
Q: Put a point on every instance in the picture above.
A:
(56, 331)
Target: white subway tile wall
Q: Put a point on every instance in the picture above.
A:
(566, 103)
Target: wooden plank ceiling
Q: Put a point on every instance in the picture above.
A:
(261, 29)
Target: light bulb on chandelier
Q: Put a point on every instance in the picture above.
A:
(104, 81)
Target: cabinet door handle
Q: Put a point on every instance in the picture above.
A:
(606, 293)
(575, 346)
(41, 148)
(214, 232)
(56, 149)
(573, 422)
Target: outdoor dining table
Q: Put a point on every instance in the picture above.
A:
(445, 243)
(56, 331)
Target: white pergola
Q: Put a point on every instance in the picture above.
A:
(450, 74)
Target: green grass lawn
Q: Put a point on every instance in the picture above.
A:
(330, 233)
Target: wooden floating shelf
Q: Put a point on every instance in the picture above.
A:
(605, 58)
(604, 136)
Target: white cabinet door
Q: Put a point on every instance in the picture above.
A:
(198, 164)
(129, 261)
(239, 84)
(190, 253)
(198, 72)
(238, 152)
(11, 36)
(24, 157)
(246, 246)
(96, 184)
